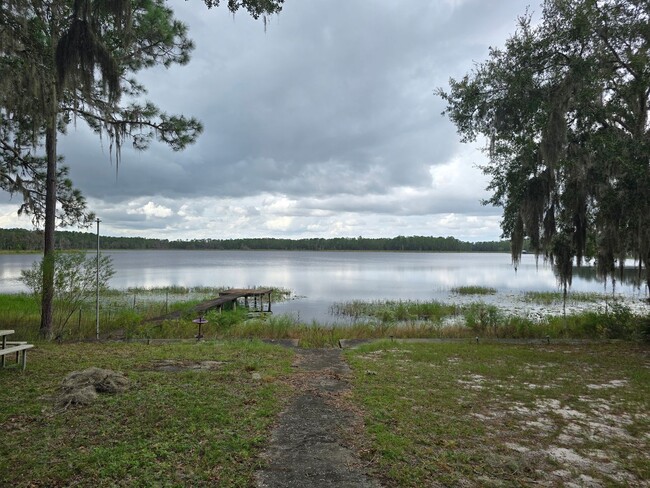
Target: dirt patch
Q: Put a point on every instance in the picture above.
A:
(570, 434)
(83, 387)
(176, 365)
(308, 446)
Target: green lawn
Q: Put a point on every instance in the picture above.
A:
(435, 414)
(185, 428)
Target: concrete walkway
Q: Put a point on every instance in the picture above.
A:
(308, 445)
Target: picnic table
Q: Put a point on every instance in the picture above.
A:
(11, 347)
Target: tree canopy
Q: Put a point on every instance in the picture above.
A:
(563, 107)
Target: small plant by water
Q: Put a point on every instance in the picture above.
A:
(557, 297)
(474, 290)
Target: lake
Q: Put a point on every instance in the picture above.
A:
(319, 279)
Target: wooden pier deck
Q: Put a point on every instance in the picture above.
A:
(226, 297)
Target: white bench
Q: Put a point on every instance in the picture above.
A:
(11, 347)
(20, 350)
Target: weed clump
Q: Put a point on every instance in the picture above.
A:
(474, 290)
(82, 387)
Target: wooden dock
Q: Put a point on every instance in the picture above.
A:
(254, 300)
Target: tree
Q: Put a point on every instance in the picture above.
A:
(64, 60)
(564, 109)
(75, 282)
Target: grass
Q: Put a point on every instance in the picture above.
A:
(125, 315)
(474, 290)
(121, 311)
(445, 414)
(187, 428)
(503, 415)
(557, 297)
(392, 310)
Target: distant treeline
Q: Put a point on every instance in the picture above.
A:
(26, 240)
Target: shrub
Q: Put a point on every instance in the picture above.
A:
(75, 280)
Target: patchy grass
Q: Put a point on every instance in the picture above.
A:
(394, 310)
(435, 414)
(184, 428)
(504, 415)
(557, 297)
(474, 290)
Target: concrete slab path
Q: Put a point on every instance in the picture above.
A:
(308, 447)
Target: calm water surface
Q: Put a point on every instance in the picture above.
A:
(319, 279)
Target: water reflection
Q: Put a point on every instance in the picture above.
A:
(323, 278)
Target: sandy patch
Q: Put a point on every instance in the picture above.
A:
(610, 384)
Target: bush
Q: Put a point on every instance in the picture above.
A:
(75, 282)
(482, 318)
(619, 322)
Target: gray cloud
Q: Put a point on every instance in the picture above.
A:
(332, 109)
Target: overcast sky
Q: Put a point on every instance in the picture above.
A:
(324, 125)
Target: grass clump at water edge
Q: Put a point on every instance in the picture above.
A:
(474, 290)
(557, 297)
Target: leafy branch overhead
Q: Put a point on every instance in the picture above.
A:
(75, 60)
(564, 110)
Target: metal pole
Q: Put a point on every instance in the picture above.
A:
(97, 283)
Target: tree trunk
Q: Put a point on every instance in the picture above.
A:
(48, 235)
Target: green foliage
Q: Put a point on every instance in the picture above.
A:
(390, 310)
(482, 318)
(564, 106)
(21, 239)
(75, 64)
(226, 319)
(76, 277)
(62, 61)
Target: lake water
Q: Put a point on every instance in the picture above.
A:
(319, 279)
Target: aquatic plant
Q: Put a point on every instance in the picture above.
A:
(474, 290)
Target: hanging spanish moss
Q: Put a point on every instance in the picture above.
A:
(81, 50)
(565, 108)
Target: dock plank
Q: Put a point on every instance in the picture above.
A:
(225, 297)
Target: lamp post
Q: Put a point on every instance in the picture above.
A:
(97, 283)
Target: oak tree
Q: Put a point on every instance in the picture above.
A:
(563, 108)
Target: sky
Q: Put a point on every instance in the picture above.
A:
(324, 124)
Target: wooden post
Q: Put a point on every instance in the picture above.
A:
(269, 302)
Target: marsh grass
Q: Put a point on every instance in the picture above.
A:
(394, 310)
(556, 297)
(185, 428)
(440, 320)
(123, 317)
(504, 415)
(123, 313)
(474, 290)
